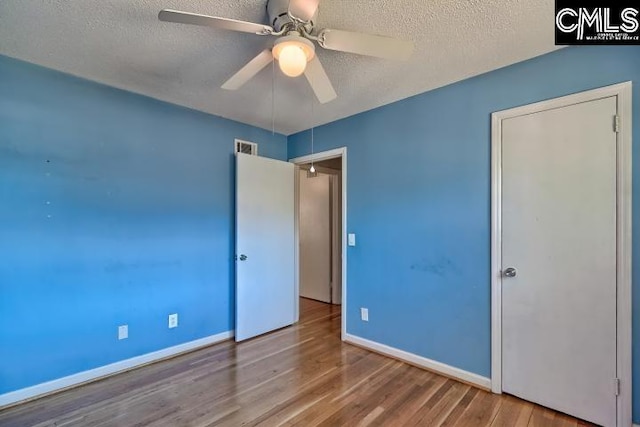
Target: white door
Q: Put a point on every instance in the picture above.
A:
(559, 234)
(315, 236)
(265, 245)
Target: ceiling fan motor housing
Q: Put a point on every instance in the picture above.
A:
(278, 11)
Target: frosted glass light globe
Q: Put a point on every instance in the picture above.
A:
(292, 60)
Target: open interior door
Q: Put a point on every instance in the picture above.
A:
(265, 245)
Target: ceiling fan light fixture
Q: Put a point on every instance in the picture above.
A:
(292, 61)
(293, 53)
(293, 22)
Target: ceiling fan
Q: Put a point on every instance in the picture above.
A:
(293, 23)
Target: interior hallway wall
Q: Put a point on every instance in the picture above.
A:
(315, 236)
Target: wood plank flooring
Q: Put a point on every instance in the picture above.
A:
(298, 376)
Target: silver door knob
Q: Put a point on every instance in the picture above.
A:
(510, 272)
(243, 257)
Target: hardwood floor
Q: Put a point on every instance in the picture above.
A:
(298, 376)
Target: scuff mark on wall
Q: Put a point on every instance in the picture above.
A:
(440, 266)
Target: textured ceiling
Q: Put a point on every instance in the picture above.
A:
(121, 43)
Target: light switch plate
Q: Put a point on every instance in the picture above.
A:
(123, 332)
(364, 314)
(173, 320)
(351, 239)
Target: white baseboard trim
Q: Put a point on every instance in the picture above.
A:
(414, 359)
(103, 371)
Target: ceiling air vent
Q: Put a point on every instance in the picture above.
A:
(246, 147)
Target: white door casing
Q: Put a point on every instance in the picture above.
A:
(317, 157)
(336, 238)
(265, 279)
(548, 343)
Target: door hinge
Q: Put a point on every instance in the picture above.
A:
(617, 385)
(616, 123)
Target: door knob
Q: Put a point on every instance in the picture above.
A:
(243, 257)
(510, 272)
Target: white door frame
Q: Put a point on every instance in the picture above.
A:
(317, 157)
(624, 94)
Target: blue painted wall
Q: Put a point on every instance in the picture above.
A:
(114, 209)
(419, 202)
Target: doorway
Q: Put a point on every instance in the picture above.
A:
(561, 251)
(321, 229)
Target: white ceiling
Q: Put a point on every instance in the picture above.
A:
(121, 43)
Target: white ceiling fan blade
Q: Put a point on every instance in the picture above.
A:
(169, 15)
(319, 81)
(247, 72)
(303, 9)
(366, 44)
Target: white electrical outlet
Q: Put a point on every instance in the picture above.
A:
(364, 314)
(351, 239)
(123, 332)
(173, 320)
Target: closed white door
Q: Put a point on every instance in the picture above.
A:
(559, 237)
(265, 245)
(315, 236)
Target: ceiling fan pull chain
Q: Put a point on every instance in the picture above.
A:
(273, 96)
(313, 169)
